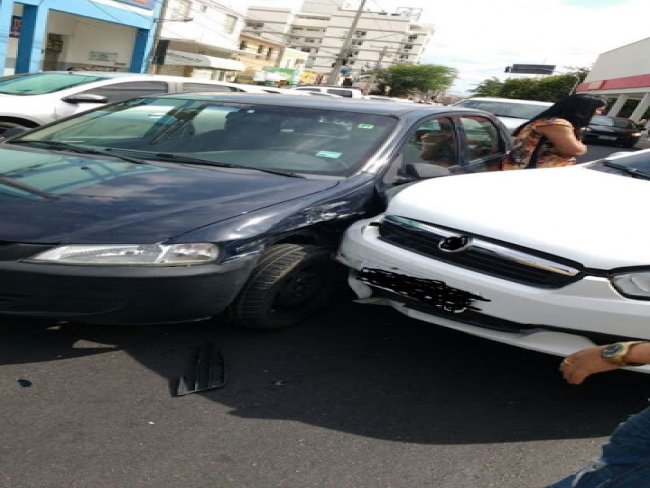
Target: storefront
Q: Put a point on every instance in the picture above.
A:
(623, 75)
(111, 35)
(196, 65)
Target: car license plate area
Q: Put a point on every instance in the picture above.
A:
(435, 293)
(607, 138)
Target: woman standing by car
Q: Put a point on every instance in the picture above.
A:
(554, 137)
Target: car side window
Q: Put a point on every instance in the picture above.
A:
(433, 142)
(204, 87)
(483, 140)
(118, 92)
(341, 93)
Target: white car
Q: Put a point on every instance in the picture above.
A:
(33, 99)
(551, 260)
(510, 111)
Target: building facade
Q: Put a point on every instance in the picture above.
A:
(320, 28)
(115, 35)
(200, 38)
(622, 74)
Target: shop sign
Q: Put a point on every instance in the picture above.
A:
(16, 23)
(102, 56)
(148, 4)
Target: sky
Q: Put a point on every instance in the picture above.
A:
(481, 37)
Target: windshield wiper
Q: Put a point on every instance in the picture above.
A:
(66, 146)
(186, 158)
(637, 173)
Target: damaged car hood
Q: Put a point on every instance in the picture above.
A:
(589, 216)
(55, 197)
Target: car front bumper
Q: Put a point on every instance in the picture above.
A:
(120, 294)
(555, 321)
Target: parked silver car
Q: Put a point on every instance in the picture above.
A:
(512, 112)
(33, 99)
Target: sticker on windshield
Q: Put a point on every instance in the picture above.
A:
(328, 154)
(365, 126)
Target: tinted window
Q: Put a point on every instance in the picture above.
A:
(605, 121)
(433, 142)
(118, 92)
(482, 137)
(40, 83)
(204, 87)
(304, 140)
(309, 89)
(340, 93)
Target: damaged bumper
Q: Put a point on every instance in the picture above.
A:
(554, 321)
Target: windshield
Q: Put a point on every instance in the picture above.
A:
(41, 83)
(267, 137)
(517, 110)
(630, 165)
(605, 121)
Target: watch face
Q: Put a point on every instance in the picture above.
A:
(612, 350)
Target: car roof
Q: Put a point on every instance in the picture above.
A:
(508, 100)
(343, 104)
(124, 74)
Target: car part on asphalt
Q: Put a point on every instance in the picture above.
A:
(205, 371)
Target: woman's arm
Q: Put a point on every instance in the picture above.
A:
(563, 139)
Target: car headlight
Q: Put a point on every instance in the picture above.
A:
(635, 134)
(633, 285)
(130, 254)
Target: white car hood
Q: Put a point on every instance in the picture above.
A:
(595, 218)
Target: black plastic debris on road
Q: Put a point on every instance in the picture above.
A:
(204, 371)
(24, 383)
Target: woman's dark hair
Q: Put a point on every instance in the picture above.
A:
(577, 109)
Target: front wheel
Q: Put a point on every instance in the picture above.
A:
(291, 283)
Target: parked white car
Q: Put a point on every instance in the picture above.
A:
(551, 260)
(510, 111)
(33, 99)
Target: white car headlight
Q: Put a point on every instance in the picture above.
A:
(633, 285)
(130, 254)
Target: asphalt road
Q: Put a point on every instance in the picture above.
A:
(360, 397)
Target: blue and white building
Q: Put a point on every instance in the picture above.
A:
(115, 35)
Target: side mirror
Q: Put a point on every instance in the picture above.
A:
(85, 98)
(423, 170)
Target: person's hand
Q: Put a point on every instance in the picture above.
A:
(578, 366)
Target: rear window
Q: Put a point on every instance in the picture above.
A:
(41, 83)
(605, 121)
(519, 110)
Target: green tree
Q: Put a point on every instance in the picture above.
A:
(544, 88)
(408, 79)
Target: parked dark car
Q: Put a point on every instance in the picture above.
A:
(182, 207)
(612, 130)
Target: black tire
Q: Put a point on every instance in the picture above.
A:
(290, 283)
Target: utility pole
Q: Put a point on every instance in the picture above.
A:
(345, 50)
(153, 67)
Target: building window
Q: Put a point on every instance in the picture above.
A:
(360, 33)
(229, 24)
(182, 10)
(413, 38)
(357, 43)
(243, 45)
(260, 49)
(255, 25)
(269, 53)
(310, 39)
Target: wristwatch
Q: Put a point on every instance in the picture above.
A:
(615, 353)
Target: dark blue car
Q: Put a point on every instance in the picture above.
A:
(183, 207)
